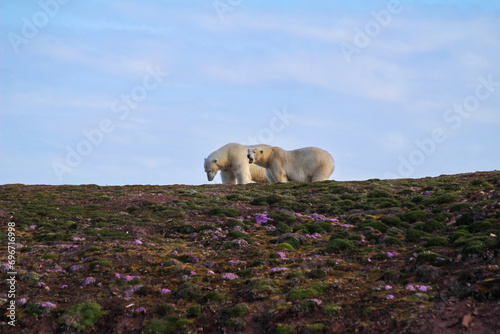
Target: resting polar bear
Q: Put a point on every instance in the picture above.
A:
(232, 161)
(307, 164)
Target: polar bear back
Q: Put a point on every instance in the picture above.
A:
(309, 164)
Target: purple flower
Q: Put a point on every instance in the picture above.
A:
(410, 287)
(427, 193)
(138, 242)
(165, 290)
(390, 297)
(47, 306)
(40, 284)
(422, 287)
(32, 227)
(282, 256)
(316, 216)
(63, 286)
(88, 280)
(229, 276)
(140, 310)
(184, 277)
(128, 278)
(262, 218)
(210, 272)
(388, 287)
(275, 270)
(22, 301)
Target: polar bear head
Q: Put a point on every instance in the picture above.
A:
(256, 155)
(211, 168)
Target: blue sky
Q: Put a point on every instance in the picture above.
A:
(139, 92)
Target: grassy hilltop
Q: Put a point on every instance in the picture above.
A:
(375, 256)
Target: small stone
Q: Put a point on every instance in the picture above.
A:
(466, 320)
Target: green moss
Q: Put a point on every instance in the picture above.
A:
(235, 234)
(376, 224)
(285, 245)
(238, 310)
(393, 241)
(295, 274)
(436, 241)
(48, 256)
(182, 228)
(269, 200)
(90, 249)
(432, 225)
(285, 329)
(483, 225)
(367, 310)
(282, 228)
(159, 326)
(311, 291)
(391, 220)
(315, 328)
(474, 247)
(466, 218)
(414, 216)
(460, 233)
(447, 198)
(188, 291)
(100, 263)
(282, 217)
(298, 293)
(413, 235)
(380, 193)
(194, 311)
(81, 316)
(331, 308)
(338, 245)
(292, 241)
(319, 227)
(213, 296)
(316, 274)
(224, 212)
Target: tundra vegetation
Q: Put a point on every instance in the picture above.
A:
(406, 255)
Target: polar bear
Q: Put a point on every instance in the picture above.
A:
(232, 161)
(306, 164)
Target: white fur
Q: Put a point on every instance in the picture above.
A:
(231, 159)
(307, 164)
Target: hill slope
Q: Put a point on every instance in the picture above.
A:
(409, 255)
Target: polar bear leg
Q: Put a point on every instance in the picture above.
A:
(227, 178)
(243, 177)
(270, 176)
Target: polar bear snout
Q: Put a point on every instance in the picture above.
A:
(250, 160)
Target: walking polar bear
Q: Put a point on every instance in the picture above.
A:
(231, 159)
(307, 164)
